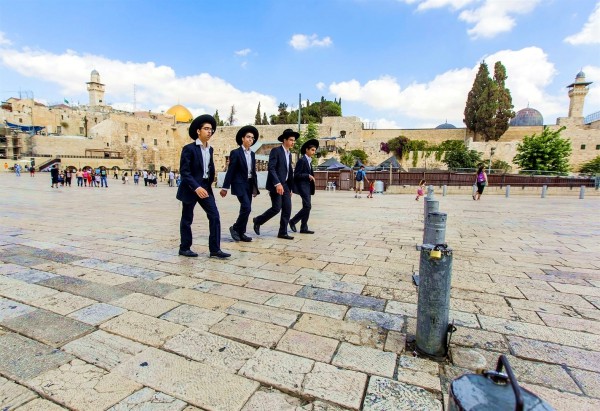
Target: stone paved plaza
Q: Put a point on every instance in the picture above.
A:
(97, 310)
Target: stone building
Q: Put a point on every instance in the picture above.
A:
(96, 134)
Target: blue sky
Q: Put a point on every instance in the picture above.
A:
(394, 63)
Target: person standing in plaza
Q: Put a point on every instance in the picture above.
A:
(360, 178)
(54, 176)
(481, 181)
(197, 169)
(32, 171)
(79, 176)
(304, 185)
(17, 170)
(145, 175)
(241, 177)
(68, 176)
(171, 178)
(280, 183)
(103, 175)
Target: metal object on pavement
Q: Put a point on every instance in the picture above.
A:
(493, 391)
(507, 191)
(435, 228)
(430, 205)
(544, 191)
(433, 308)
(582, 192)
(444, 190)
(429, 191)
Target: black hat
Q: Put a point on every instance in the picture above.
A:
(312, 142)
(245, 130)
(197, 123)
(288, 132)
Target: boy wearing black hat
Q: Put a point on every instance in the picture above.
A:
(280, 183)
(304, 185)
(197, 175)
(241, 177)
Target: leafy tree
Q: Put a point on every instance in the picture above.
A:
(397, 145)
(591, 167)
(489, 103)
(347, 159)
(462, 157)
(231, 119)
(500, 165)
(257, 117)
(310, 133)
(265, 122)
(360, 154)
(218, 119)
(546, 152)
(282, 117)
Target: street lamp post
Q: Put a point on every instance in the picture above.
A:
(492, 150)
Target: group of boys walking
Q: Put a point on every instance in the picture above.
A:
(197, 170)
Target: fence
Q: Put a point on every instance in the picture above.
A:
(344, 179)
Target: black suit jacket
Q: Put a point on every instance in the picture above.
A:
(237, 172)
(191, 168)
(303, 185)
(278, 169)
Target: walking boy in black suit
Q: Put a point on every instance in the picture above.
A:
(197, 175)
(280, 183)
(241, 176)
(304, 185)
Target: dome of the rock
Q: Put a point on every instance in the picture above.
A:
(527, 117)
(181, 114)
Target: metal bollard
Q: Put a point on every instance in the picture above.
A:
(433, 308)
(429, 191)
(507, 191)
(431, 205)
(474, 189)
(444, 190)
(544, 190)
(435, 228)
(581, 192)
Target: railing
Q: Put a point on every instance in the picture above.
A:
(591, 118)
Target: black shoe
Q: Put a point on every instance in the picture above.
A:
(256, 226)
(234, 234)
(220, 254)
(306, 232)
(285, 237)
(188, 253)
(245, 238)
(293, 226)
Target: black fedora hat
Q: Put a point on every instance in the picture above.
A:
(245, 130)
(312, 142)
(197, 123)
(288, 132)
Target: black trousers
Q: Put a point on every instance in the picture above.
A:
(304, 213)
(279, 203)
(214, 222)
(245, 209)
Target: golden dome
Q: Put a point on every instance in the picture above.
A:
(182, 114)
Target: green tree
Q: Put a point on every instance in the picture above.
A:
(546, 152)
(265, 122)
(500, 165)
(310, 133)
(397, 146)
(360, 154)
(218, 119)
(347, 159)
(231, 119)
(282, 117)
(257, 117)
(461, 157)
(489, 104)
(591, 167)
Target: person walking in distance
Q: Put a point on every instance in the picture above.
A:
(54, 176)
(360, 177)
(280, 183)
(197, 175)
(241, 177)
(481, 181)
(304, 185)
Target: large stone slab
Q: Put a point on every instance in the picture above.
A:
(149, 287)
(31, 276)
(308, 306)
(343, 387)
(200, 299)
(26, 293)
(264, 313)
(192, 316)
(365, 359)
(96, 314)
(142, 328)
(13, 395)
(48, 327)
(11, 309)
(199, 384)
(554, 353)
(40, 404)
(103, 349)
(278, 369)
(145, 304)
(350, 299)
(383, 320)
(96, 291)
(84, 386)
(308, 345)
(63, 303)
(210, 349)
(270, 400)
(147, 399)
(352, 332)
(384, 394)
(245, 330)
(22, 358)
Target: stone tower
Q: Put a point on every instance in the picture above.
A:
(95, 89)
(577, 92)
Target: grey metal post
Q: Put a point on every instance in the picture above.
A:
(430, 206)
(429, 191)
(507, 191)
(544, 189)
(581, 192)
(474, 189)
(435, 228)
(433, 308)
(444, 190)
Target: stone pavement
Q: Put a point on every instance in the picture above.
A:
(97, 310)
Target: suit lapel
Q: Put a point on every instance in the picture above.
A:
(243, 159)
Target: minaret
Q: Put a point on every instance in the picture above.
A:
(95, 89)
(577, 93)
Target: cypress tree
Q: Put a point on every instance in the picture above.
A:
(505, 107)
(265, 122)
(481, 104)
(257, 117)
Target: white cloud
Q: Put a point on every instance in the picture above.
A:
(320, 85)
(3, 40)
(444, 97)
(303, 41)
(590, 33)
(488, 17)
(156, 86)
(592, 100)
(244, 64)
(243, 52)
